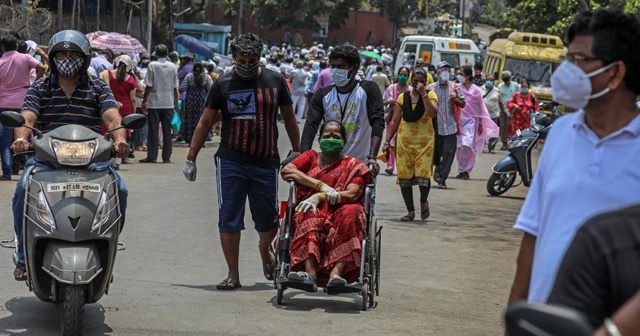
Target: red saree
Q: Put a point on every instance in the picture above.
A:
(333, 234)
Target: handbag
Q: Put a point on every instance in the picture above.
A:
(176, 123)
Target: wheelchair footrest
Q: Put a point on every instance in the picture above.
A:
(352, 288)
(304, 286)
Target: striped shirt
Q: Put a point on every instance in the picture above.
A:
(446, 119)
(249, 116)
(53, 108)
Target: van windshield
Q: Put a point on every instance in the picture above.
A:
(538, 73)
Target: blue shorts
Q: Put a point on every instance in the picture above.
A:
(235, 182)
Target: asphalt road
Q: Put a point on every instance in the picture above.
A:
(449, 275)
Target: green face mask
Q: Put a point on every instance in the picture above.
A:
(402, 79)
(331, 146)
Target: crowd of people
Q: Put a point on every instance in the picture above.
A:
(435, 114)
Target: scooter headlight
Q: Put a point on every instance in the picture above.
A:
(44, 211)
(102, 215)
(74, 153)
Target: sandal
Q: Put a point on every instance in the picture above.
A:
(20, 273)
(408, 217)
(336, 280)
(269, 268)
(424, 210)
(305, 278)
(229, 284)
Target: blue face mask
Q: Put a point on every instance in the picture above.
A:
(524, 91)
(488, 84)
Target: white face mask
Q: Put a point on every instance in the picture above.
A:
(461, 79)
(340, 77)
(444, 75)
(571, 86)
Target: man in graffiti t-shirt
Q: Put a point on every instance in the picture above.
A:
(357, 104)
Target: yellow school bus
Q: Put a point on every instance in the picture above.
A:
(528, 56)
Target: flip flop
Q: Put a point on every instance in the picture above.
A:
(336, 280)
(20, 273)
(269, 269)
(229, 284)
(305, 278)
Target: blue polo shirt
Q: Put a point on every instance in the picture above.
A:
(48, 101)
(578, 177)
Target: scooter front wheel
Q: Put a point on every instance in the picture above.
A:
(498, 184)
(72, 313)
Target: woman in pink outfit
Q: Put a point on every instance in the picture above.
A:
(476, 125)
(390, 97)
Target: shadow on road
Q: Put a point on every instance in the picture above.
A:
(256, 287)
(311, 301)
(30, 316)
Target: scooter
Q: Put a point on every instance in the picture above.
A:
(72, 218)
(518, 161)
(536, 319)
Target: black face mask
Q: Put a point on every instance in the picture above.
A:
(506, 79)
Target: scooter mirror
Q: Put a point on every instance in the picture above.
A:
(11, 119)
(134, 121)
(524, 318)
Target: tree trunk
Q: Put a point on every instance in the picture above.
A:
(113, 15)
(59, 16)
(129, 21)
(582, 6)
(73, 14)
(98, 15)
(82, 10)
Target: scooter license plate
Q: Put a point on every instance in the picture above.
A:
(72, 186)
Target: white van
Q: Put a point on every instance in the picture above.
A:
(434, 49)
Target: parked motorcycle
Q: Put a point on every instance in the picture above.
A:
(536, 319)
(72, 218)
(518, 161)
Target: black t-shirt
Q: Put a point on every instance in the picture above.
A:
(601, 269)
(249, 116)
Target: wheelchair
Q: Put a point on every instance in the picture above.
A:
(368, 284)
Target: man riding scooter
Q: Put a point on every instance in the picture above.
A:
(69, 95)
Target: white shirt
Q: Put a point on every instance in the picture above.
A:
(491, 101)
(579, 176)
(355, 119)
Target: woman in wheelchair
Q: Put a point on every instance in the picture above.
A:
(329, 223)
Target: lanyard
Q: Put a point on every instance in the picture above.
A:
(343, 108)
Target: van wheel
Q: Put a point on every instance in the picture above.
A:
(72, 313)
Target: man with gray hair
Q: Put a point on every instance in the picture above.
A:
(299, 79)
(507, 89)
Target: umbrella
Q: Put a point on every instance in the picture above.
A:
(371, 54)
(195, 46)
(119, 43)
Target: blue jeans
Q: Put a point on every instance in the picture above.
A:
(6, 139)
(21, 187)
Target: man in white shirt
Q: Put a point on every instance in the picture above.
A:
(492, 99)
(507, 89)
(299, 79)
(589, 164)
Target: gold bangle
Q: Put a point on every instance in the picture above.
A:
(425, 95)
(318, 186)
(321, 196)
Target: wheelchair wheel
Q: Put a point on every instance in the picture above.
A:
(378, 260)
(365, 295)
(372, 256)
(279, 294)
